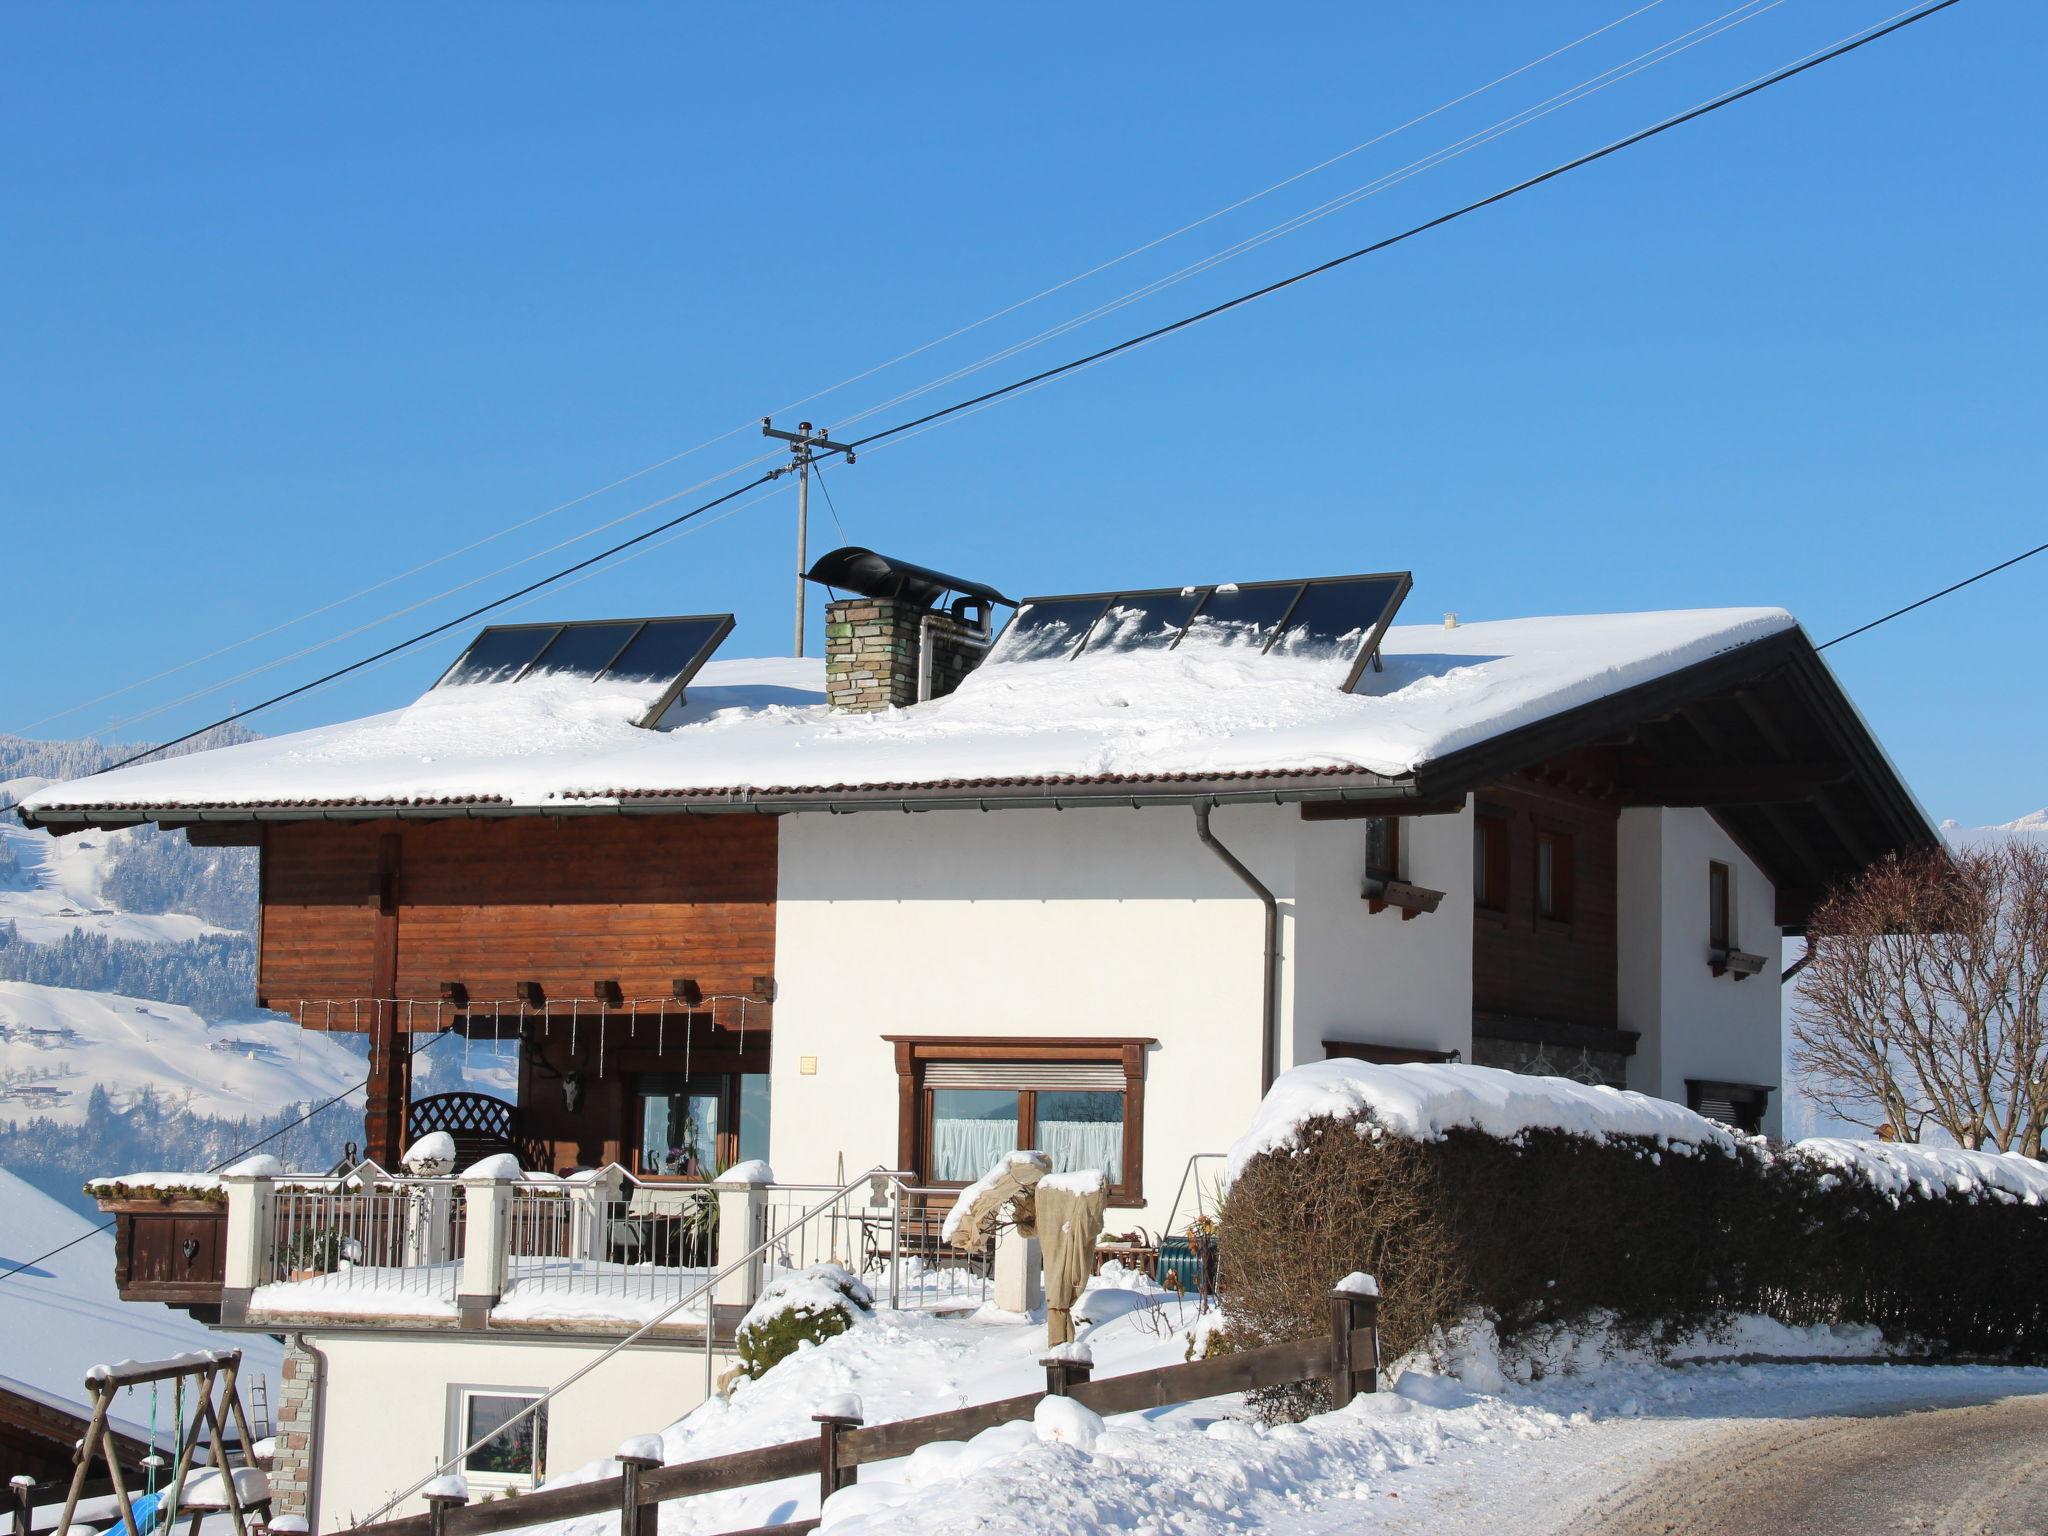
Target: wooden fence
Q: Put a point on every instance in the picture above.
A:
(1349, 1358)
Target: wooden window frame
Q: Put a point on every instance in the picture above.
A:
(1492, 860)
(913, 1099)
(725, 1151)
(1721, 906)
(1559, 844)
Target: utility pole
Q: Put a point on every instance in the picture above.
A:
(804, 445)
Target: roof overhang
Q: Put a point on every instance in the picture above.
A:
(1761, 736)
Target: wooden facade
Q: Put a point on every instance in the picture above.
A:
(602, 942)
(564, 902)
(1563, 965)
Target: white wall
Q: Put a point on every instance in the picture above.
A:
(1693, 1023)
(1094, 922)
(384, 1409)
(1371, 976)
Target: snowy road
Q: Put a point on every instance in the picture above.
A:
(1981, 1468)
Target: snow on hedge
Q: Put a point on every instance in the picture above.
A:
(1897, 1169)
(822, 1288)
(1423, 1100)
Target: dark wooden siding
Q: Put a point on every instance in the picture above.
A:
(565, 902)
(1527, 967)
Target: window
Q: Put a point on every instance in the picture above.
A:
(1554, 876)
(1490, 861)
(964, 1103)
(1720, 908)
(512, 1455)
(1383, 848)
(691, 1127)
(1740, 1105)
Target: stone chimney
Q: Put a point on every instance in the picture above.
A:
(885, 651)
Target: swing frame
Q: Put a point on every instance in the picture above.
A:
(208, 1368)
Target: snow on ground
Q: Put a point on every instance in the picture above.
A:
(57, 1044)
(1436, 1452)
(1196, 709)
(57, 891)
(61, 1316)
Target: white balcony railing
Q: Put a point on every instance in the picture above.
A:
(501, 1249)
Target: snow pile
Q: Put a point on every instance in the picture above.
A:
(433, 1154)
(762, 726)
(1896, 1169)
(1423, 1100)
(640, 1448)
(752, 1171)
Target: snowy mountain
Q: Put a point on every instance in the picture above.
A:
(58, 1044)
(54, 886)
(63, 1316)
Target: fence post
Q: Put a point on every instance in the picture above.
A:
(1354, 1304)
(636, 1518)
(1067, 1367)
(251, 1235)
(831, 1476)
(486, 1246)
(593, 1197)
(742, 1203)
(23, 1489)
(438, 1505)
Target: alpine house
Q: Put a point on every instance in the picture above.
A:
(1084, 882)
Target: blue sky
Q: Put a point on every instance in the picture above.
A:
(299, 299)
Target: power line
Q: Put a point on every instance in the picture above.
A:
(1716, 104)
(831, 506)
(231, 1158)
(1864, 629)
(1043, 376)
(820, 394)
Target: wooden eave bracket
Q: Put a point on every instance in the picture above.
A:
(1734, 962)
(1413, 900)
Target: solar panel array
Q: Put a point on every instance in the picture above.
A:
(1338, 619)
(656, 656)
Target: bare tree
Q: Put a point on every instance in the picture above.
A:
(1922, 998)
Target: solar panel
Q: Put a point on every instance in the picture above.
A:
(1247, 616)
(499, 654)
(650, 657)
(1048, 628)
(1334, 619)
(582, 650)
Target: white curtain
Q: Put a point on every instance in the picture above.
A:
(1079, 1144)
(966, 1149)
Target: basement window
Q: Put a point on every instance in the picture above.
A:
(965, 1104)
(512, 1455)
(1740, 1105)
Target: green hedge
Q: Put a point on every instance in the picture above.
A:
(1655, 1241)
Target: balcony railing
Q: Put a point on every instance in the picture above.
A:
(496, 1249)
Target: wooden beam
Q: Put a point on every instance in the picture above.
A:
(220, 834)
(1731, 784)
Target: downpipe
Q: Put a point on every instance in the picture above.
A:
(1269, 1011)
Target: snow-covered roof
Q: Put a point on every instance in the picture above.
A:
(760, 729)
(64, 1317)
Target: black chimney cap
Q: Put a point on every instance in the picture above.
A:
(867, 574)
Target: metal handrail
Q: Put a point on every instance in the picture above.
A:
(582, 1371)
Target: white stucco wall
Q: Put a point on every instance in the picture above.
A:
(1693, 1023)
(385, 1410)
(1098, 922)
(1371, 976)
